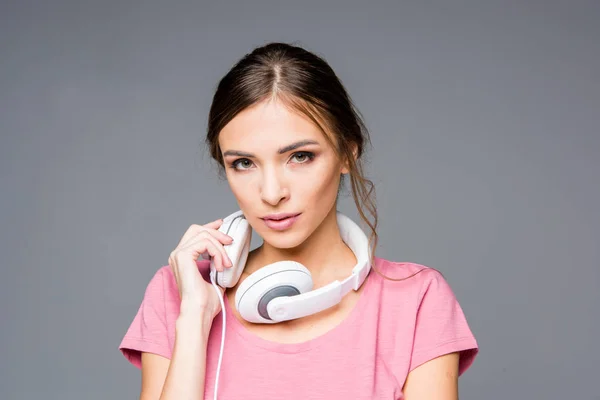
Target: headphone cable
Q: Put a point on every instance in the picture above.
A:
(223, 313)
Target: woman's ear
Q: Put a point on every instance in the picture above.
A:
(346, 165)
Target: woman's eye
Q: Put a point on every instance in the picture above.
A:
(242, 163)
(303, 157)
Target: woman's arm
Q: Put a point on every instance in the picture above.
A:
(182, 377)
(436, 379)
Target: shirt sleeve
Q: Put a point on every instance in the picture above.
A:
(148, 331)
(441, 327)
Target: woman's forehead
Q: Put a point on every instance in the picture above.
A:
(268, 126)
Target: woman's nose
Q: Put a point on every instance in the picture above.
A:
(274, 188)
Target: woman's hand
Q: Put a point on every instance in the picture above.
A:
(197, 294)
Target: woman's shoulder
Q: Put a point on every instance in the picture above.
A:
(405, 274)
(419, 308)
(408, 285)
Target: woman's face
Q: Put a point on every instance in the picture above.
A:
(278, 161)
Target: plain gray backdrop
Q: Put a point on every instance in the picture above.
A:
(486, 159)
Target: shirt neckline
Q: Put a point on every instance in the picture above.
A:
(289, 348)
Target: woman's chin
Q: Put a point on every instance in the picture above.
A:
(283, 240)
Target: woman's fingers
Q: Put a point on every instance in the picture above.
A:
(222, 260)
(195, 229)
(205, 240)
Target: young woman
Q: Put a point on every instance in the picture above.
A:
(287, 135)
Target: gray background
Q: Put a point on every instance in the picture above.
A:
(486, 147)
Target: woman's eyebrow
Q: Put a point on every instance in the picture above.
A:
(282, 150)
(294, 146)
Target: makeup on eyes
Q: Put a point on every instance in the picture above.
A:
(308, 155)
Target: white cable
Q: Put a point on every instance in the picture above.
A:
(223, 313)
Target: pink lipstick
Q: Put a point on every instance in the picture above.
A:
(280, 222)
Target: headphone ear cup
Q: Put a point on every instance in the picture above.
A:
(282, 278)
(241, 232)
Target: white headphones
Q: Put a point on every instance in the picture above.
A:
(282, 290)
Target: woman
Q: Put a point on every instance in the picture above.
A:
(287, 135)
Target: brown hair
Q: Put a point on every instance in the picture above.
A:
(305, 83)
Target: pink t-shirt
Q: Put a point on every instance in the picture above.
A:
(393, 328)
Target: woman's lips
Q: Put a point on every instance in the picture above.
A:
(282, 224)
